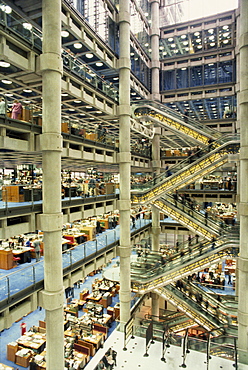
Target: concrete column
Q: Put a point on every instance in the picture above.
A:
(155, 305)
(51, 221)
(243, 206)
(155, 32)
(124, 159)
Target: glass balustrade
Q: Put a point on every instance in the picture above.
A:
(188, 170)
(32, 274)
(180, 122)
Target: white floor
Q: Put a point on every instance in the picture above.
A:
(134, 358)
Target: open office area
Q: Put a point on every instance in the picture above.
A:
(123, 196)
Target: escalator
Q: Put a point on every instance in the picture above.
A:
(192, 310)
(150, 112)
(175, 322)
(207, 307)
(187, 171)
(193, 259)
(192, 219)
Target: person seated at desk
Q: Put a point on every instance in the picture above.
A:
(32, 364)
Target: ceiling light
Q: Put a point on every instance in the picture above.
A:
(225, 41)
(138, 97)
(212, 44)
(198, 40)
(170, 39)
(99, 111)
(26, 101)
(82, 114)
(77, 45)
(211, 30)
(226, 34)
(183, 37)
(77, 101)
(183, 68)
(89, 55)
(199, 46)
(161, 47)
(116, 78)
(4, 64)
(225, 27)
(7, 82)
(5, 8)
(8, 94)
(64, 94)
(164, 53)
(64, 33)
(197, 33)
(71, 109)
(27, 26)
(146, 14)
(146, 44)
(132, 54)
(133, 93)
(173, 45)
(186, 49)
(27, 90)
(211, 37)
(88, 107)
(92, 118)
(99, 64)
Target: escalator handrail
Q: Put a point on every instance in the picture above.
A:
(180, 167)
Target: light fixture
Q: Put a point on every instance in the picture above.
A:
(116, 78)
(211, 37)
(71, 109)
(161, 47)
(183, 68)
(77, 101)
(146, 44)
(27, 90)
(183, 37)
(5, 8)
(99, 111)
(89, 55)
(186, 49)
(173, 45)
(26, 101)
(211, 30)
(197, 33)
(131, 54)
(88, 107)
(170, 39)
(27, 26)
(133, 93)
(225, 34)
(198, 40)
(99, 64)
(64, 94)
(212, 44)
(92, 118)
(225, 27)
(8, 94)
(64, 33)
(82, 114)
(146, 14)
(7, 82)
(77, 45)
(4, 64)
(225, 41)
(199, 46)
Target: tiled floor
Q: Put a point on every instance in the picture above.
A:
(133, 358)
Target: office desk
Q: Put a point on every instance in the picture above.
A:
(34, 341)
(91, 297)
(22, 252)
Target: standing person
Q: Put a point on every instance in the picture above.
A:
(23, 328)
(2, 106)
(133, 221)
(36, 244)
(16, 110)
